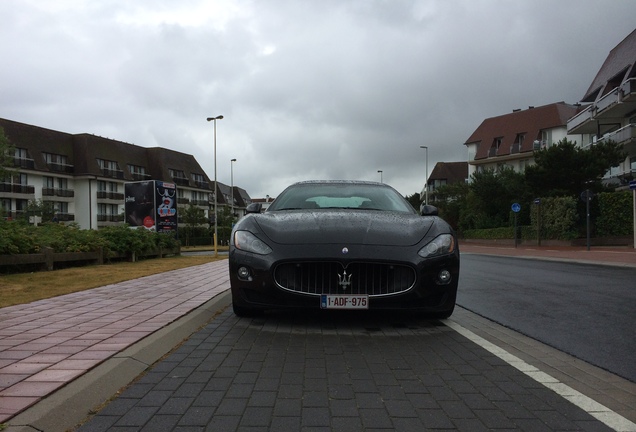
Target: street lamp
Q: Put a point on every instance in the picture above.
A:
(380, 171)
(216, 226)
(426, 199)
(232, 185)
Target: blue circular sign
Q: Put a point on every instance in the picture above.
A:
(516, 208)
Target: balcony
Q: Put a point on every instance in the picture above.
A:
(110, 195)
(140, 176)
(118, 174)
(628, 90)
(202, 184)
(201, 203)
(181, 181)
(17, 188)
(183, 201)
(24, 163)
(64, 217)
(606, 102)
(622, 136)
(583, 123)
(109, 217)
(61, 167)
(65, 193)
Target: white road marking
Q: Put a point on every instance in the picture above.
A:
(589, 405)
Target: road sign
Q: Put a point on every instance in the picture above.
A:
(516, 207)
(537, 201)
(587, 195)
(632, 185)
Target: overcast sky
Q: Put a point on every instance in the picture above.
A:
(331, 89)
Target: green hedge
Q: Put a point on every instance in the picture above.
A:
(21, 238)
(616, 214)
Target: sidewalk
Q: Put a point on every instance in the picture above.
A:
(617, 256)
(47, 344)
(85, 346)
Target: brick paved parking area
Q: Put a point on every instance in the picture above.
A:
(335, 372)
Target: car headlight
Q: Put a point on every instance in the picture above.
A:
(248, 242)
(440, 245)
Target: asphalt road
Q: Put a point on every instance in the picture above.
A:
(584, 310)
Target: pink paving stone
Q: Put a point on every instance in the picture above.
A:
(62, 375)
(15, 354)
(22, 367)
(7, 380)
(10, 405)
(74, 365)
(91, 355)
(64, 350)
(46, 358)
(30, 389)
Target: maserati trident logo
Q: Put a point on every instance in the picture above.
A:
(344, 280)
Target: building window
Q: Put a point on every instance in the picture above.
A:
(518, 144)
(105, 186)
(110, 168)
(138, 172)
(632, 164)
(21, 153)
(51, 158)
(22, 160)
(178, 177)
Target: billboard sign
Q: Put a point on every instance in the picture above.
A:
(139, 204)
(151, 205)
(166, 197)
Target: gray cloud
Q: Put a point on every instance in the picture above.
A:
(330, 89)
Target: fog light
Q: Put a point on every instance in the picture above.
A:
(444, 276)
(243, 273)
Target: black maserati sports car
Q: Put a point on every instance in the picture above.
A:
(343, 245)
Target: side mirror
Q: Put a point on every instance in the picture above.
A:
(254, 208)
(428, 210)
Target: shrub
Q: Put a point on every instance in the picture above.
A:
(615, 218)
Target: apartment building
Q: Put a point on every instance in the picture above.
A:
(610, 108)
(511, 139)
(83, 175)
(445, 173)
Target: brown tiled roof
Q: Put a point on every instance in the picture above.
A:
(452, 172)
(529, 122)
(38, 140)
(619, 65)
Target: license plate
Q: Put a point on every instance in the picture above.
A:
(344, 301)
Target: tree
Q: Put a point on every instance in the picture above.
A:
(451, 200)
(44, 210)
(567, 170)
(7, 152)
(492, 194)
(193, 217)
(414, 200)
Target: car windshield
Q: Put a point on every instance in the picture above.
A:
(363, 196)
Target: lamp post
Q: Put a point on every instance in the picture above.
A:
(426, 199)
(232, 185)
(380, 171)
(216, 226)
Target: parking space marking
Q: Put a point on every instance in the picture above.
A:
(589, 405)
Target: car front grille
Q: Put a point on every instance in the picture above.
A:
(374, 279)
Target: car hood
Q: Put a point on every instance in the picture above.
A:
(344, 227)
